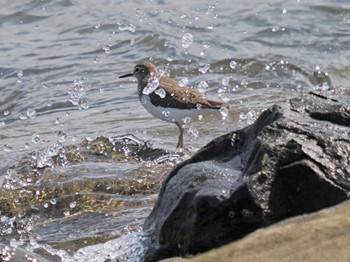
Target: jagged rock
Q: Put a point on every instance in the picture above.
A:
(294, 159)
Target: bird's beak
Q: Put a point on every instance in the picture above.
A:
(127, 75)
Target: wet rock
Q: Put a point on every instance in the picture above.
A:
(314, 237)
(295, 159)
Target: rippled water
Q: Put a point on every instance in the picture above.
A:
(60, 62)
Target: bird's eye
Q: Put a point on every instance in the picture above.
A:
(137, 70)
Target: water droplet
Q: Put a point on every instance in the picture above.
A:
(2, 123)
(225, 97)
(223, 112)
(200, 117)
(83, 104)
(26, 146)
(46, 205)
(23, 116)
(211, 8)
(225, 81)
(187, 40)
(199, 106)
(161, 92)
(61, 136)
(7, 148)
(233, 64)
(202, 86)
(251, 117)
(97, 26)
(194, 132)
(59, 121)
(204, 69)
(31, 113)
(206, 45)
(107, 49)
(73, 204)
(96, 60)
(183, 81)
(19, 73)
(187, 120)
(210, 26)
(166, 113)
(66, 213)
(284, 11)
(53, 201)
(170, 58)
(19, 76)
(153, 83)
(76, 92)
(6, 113)
(36, 138)
(126, 27)
(242, 116)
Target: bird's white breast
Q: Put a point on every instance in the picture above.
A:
(172, 114)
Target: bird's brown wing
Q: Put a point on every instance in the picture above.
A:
(182, 97)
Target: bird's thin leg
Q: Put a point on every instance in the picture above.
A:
(180, 142)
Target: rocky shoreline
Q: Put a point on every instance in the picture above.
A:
(294, 160)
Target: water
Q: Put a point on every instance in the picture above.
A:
(60, 62)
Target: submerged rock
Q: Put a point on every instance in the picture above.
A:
(294, 159)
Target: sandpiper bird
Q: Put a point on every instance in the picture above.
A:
(166, 100)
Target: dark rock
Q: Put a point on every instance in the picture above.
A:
(294, 159)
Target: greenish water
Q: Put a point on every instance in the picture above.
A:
(60, 62)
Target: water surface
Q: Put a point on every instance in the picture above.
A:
(60, 62)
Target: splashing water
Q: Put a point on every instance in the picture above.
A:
(126, 27)
(202, 86)
(76, 92)
(36, 138)
(7, 148)
(250, 117)
(31, 113)
(83, 104)
(187, 40)
(187, 121)
(194, 132)
(19, 76)
(153, 83)
(106, 48)
(223, 112)
(126, 248)
(233, 64)
(225, 81)
(160, 92)
(204, 69)
(183, 81)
